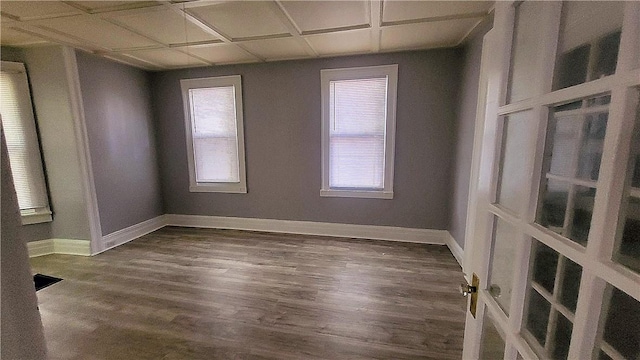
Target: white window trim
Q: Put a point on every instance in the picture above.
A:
(225, 187)
(327, 75)
(42, 214)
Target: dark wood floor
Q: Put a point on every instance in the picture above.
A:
(224, 294)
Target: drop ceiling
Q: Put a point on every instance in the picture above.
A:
(157, 35)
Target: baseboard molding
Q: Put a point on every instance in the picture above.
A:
(132, 232)
(390, 233)
(455, 248)
(59, 246)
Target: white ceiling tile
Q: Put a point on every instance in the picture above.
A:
(321, 15)
(220, 53)
(272, 49)
(98, 6)
(25, 10)
(410, 10)
(97, 31)
(343, 42)
(425, 35)
(165, 57)
(165, 25)
(13, 37)
(242, 19)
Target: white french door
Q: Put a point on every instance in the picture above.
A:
(553, 231)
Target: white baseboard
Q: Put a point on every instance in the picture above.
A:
(40, 248)
(424, 236)
(455, 248)
(59, 246)
(132, 232)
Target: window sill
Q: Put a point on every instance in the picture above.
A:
(221, 188)
(35, 217)
(367, 194)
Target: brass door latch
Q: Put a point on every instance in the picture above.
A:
(466, 289)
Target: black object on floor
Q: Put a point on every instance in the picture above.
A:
(42, 281)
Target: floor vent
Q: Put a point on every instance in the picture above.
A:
(42, 281)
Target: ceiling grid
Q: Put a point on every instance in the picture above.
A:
(159, 35)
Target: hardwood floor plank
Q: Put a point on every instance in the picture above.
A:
(227, 294)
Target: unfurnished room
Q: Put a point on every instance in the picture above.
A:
(276, 179)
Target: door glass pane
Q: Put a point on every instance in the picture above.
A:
(505, 238)
(627, 250)
(570, 284)
(589, 41)
(553, 295)
(492, 346)
(621, 322)
(573, 154)
(517, 154)
(526, 44)
(538, 316)
(544, 266)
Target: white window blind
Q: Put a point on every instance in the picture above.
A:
(214, 134)
(357, 119)
(358, 131)
(213, 115)
(19, 127)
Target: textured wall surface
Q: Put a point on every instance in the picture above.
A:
(282, 138)
(117, 105)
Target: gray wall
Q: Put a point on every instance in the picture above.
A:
(52, 102)
(464, 131)
(22, 334)
(282, 138)
(118, 117)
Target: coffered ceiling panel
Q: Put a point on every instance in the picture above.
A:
(14, 37)
(425, 35)
(154, 34)
(273, 49)
(97, 31)
(100, 6)
(393, 11)
(25, 10)
(166, 57)
(242, 19)
(165, 25)
(312, 16)
(221, 53)
(344, 42)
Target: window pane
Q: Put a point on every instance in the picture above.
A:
(573, 154)
(538, 316)
(562, 337)
(526, 43)
(570, 284)
(215, 143)
(357, 133)
(544, 266)
(505, 238)
(216, 159)
(621, 321)
(21, 138)
(589, 41)
(492, 346)
(517, 154)
(627, 250)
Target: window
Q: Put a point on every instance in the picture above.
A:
(358, 131)
(215, 137)
(19, 127)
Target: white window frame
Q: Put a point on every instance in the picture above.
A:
(41, 214)
(221, 81)
(328, 75)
